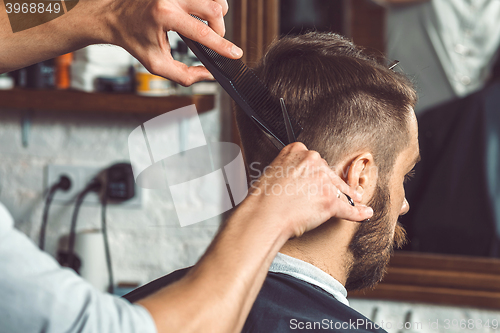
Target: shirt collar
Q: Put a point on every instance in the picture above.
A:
(306, 272)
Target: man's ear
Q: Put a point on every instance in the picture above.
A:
(362, 174)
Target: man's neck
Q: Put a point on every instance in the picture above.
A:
(325, 247)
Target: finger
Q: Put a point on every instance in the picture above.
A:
(296, 146)
(199, 73)
(344, 210)
(181, 73)
(163, 64)
(321, 164)
(291, 153)
(342, 185)
(293, 150)
(224, 5)
(198, 31)
(287, 154)
(210, 11)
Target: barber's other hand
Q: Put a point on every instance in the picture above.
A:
(306, 195)
(140, 27)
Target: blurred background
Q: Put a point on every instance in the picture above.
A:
(72, 116)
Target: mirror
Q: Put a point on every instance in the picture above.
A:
(450, 55)
(298, 16)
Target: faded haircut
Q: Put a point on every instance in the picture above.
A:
(344, 99)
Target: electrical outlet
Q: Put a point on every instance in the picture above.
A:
(80, 176)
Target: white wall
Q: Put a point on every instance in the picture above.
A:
(145, 243)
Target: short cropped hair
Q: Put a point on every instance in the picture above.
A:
(344, 99)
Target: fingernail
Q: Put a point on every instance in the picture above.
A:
(369, 210)
(210, 77)
(236, 51)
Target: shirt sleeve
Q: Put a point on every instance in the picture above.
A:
(37, 295)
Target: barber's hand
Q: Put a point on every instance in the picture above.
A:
(301, 190)
(140, 27)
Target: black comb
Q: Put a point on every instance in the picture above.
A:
(248, 91)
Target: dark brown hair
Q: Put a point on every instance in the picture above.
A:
(344, 99)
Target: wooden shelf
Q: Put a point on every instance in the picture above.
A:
(68, 100)
(439, 279)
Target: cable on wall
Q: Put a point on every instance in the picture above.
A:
(63, 184)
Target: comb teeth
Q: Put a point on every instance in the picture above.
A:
(243, 85)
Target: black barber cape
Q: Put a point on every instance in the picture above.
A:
(285, 304)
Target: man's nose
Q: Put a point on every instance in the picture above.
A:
(405, 208)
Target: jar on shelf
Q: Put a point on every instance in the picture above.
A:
(148, 84)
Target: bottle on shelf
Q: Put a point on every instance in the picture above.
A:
(62, 71)
(104, 67)
(41, 75)
(6, 82)
(20, 77)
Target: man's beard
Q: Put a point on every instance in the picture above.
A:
(373, 244)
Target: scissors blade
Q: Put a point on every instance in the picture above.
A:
(288, 124)
(276, 142)
(393, 64)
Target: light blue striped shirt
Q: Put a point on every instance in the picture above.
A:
(37, 295)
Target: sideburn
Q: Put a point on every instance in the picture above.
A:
(372, 246)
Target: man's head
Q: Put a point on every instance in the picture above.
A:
(358, 115)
